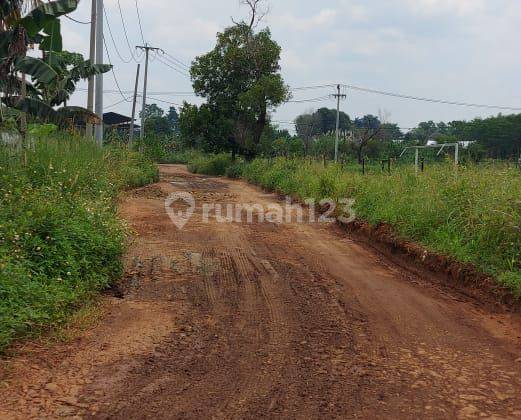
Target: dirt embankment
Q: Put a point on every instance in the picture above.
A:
(463, 278)
(266, 320)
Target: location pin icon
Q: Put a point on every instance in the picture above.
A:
(180, 217)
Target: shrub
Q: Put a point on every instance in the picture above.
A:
(235, 170)
(60, 238)
(210, 165)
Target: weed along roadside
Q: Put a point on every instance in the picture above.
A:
(472, 218)
(61, 240)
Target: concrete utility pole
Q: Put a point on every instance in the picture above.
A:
(147, 50)
(92, 58)
(338, 96)
(99, 77)
(131, 134)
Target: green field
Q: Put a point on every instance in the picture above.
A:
(60, 237)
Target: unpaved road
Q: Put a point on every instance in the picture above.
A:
(262, 321)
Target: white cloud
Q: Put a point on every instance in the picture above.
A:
(436, 7)
(322, 18)
(290, 61)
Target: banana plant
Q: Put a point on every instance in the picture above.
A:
(54, 77)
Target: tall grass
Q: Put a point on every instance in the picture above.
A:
(60, 238)
(474, 217)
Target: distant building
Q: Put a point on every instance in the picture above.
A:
(118, 122)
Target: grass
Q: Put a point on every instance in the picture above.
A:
(60, 238)
(474, 217)
(210, 165)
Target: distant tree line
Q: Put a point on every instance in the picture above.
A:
(158, 122)
(496, 137)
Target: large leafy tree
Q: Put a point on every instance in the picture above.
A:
(241, 81)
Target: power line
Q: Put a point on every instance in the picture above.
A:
(115, 104)
(177, 61)
(77, 21)
(159, 93)
(319, 99)
(168, 64)
(113, 40)
(172, 67)
(139, 21)
(163, 101)
(312, 87)
(125, 31)
(114, 73)
(170, 61)
(439, 101)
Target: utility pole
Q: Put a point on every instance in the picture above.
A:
(99, 77)
(131, 134)
(338, 96)
(92, 58)
(147, 50)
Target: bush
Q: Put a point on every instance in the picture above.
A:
(60, 238)
(181, 157)
(210, 165)
(234, 171)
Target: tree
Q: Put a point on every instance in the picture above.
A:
(390, 131)
(159, 123)
(322, 121)
(173, 119)
(205, 128)
(365, 129)
(496, 137)
(423, 132)
(240, 79)
(306, 127)
(151, 111)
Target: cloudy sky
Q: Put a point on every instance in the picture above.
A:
(459, 50)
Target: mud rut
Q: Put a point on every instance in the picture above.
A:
(262, 320)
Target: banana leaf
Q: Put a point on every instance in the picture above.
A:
(37, 69)
(32, 106)
(52, 40)
(39, 17)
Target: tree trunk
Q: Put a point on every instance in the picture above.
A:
(359, 153)
(259, 126)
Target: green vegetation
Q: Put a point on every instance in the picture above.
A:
(60, 237)
(474, 217)
(241, 82)
(213, 165)
(24, 25)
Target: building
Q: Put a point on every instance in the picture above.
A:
(119, 123)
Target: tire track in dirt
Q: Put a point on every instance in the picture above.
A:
(268, 321)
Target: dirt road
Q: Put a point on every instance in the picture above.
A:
(264, 320)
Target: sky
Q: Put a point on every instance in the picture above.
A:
(456, 50)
